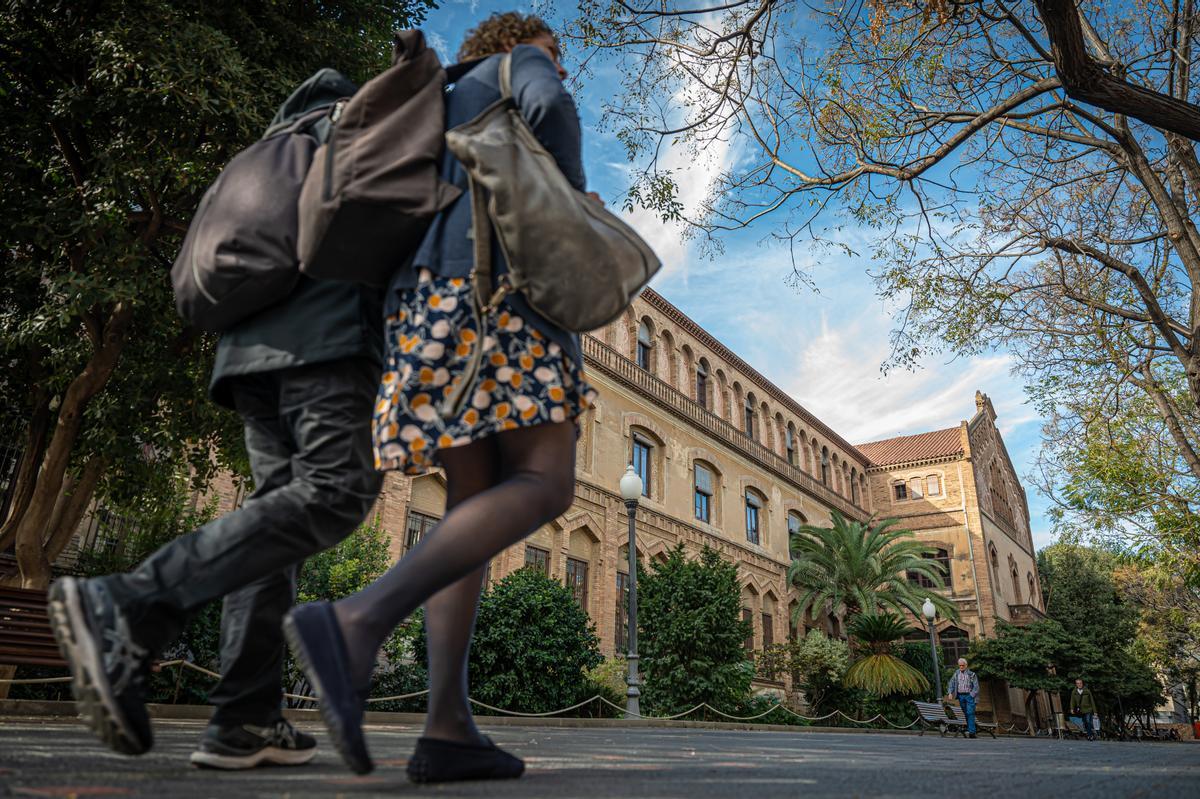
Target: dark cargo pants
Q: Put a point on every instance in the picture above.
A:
(308, 433)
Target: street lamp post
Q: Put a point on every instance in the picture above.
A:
(930, 612)
(631, 491)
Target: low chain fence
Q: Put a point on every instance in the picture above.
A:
(183, 665)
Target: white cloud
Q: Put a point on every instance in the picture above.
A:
(838, 378)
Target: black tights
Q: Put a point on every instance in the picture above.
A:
(499, 490)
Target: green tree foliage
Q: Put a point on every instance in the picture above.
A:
(860, 567)
(1091, 632)
(878, 668)
(127, 111)
(533, 646)
(692, 634)
(348, 567)
(817, 664)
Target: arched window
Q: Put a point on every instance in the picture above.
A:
(790, 442)
(667, 346)
(705, 488)
(899, 491)
(955, 643)
(754, 514)
(642, 459)
(795, 521)
(645, 346)
(825, 465)
(1016, 583)
(702, 383)
(854, 486)
(748, 415)
(914, 488)
(1032, 587)
(933, 486)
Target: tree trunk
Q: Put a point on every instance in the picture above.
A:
(26, 475)
(34, 530)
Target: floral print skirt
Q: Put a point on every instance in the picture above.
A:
(523, 379)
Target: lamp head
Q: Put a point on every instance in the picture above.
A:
(928, 609)
(631, 485)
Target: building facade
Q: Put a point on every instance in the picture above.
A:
(730, 461)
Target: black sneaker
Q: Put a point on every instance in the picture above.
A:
(108, 668)
(248, 746)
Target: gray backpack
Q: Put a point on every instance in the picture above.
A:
(239, 254)
(375, 185)
(576, 263)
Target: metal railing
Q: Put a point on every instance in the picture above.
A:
(626, 371)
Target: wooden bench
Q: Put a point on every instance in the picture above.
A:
(934, 715)
(948, 717)
(960, 719)
(25, 635)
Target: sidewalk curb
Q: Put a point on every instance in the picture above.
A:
(59, 710)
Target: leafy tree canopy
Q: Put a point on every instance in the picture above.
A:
(861, 567)
(692, 633)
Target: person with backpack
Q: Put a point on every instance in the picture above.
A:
(507, 447)
(302, 373)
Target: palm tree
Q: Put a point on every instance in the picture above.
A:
(879, 671)
(861, 567)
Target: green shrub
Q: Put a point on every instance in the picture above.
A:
(692, 634)
(532, 647)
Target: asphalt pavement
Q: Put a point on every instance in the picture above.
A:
(54, 758)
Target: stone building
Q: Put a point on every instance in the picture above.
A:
(958, 491)
(730, 460)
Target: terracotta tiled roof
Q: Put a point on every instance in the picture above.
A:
(904, 449)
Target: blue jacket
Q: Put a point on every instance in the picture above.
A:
(546, 104)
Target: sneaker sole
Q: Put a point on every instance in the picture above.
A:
(93, 693)
(333, 722)
(268, 756)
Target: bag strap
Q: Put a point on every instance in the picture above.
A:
(481, 231)
(506, 76)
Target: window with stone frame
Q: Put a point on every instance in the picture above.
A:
(748, 617)
(754, 514)
(748, 415)
(577, 580)
(704, 483)
(899, 491)
(794, 522)
(645, 346)
(825, 465)
(854, 486)
(768, 625)
(702, 383)
(1032, 588)
(914, 488)
(537, 558)
(955, 643)
(933, 486)
(641, 458)
(417, 525)
(942, 558)
(791, 444)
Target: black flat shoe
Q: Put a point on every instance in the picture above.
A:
(436, 760)
(316, 640)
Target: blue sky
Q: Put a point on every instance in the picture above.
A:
(823, 346)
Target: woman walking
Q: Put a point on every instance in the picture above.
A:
(508, 452)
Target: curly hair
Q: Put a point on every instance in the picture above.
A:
(501, 32)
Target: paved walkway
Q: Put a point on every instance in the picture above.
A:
(58, 759)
